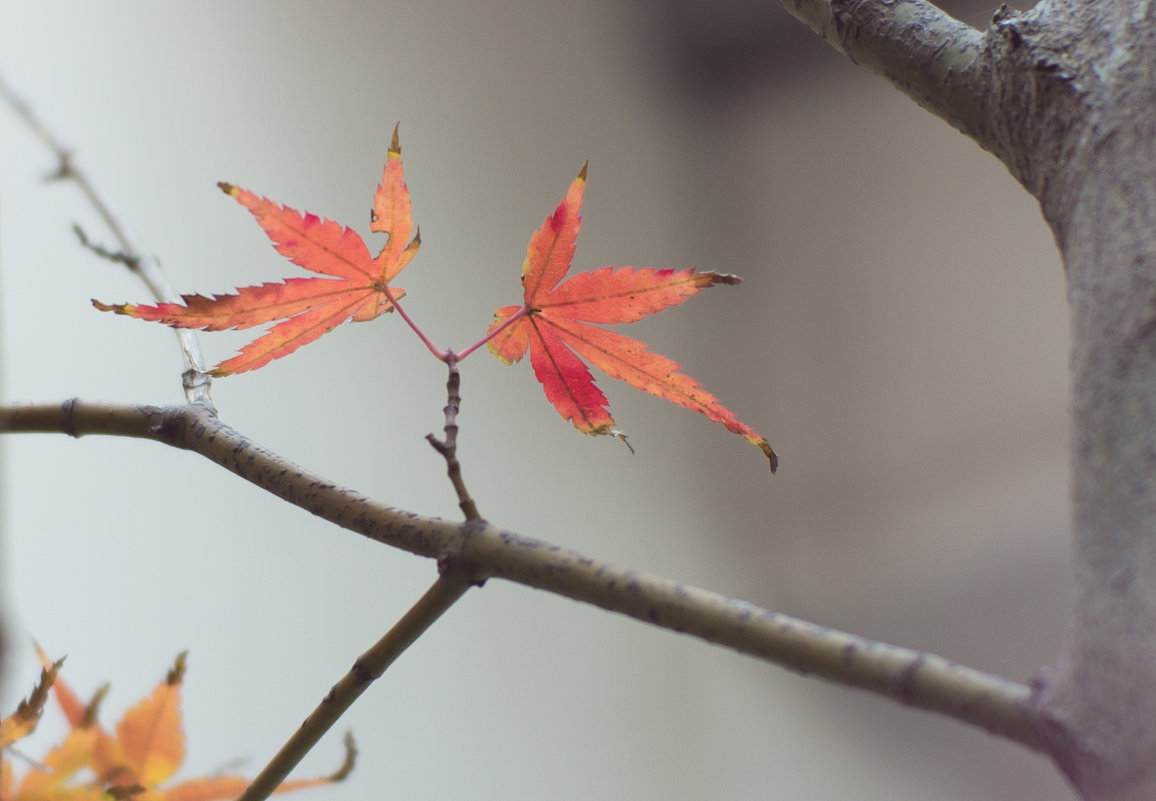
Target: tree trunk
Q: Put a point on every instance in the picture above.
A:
(1100, 703)
(1065, 96)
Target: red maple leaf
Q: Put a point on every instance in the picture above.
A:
(308, 307)
(553, 323)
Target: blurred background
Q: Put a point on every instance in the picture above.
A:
(900, 337)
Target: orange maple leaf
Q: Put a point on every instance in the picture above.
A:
(553, 323)
(23, 721)
(136, 762)
(308, 307)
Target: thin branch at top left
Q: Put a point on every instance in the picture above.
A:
(195, 381)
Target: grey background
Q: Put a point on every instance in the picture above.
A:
(900, 337)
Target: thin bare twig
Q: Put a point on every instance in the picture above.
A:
(195, 381)
(116, 256)
(444, 593)
(448, 447)
(915, 678)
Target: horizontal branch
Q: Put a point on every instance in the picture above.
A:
(479, 551)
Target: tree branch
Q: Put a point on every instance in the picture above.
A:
(369, 667)
(448, 447)
(194, 378)
(480, 551)
(939, 62)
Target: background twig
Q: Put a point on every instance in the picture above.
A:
(194, 379)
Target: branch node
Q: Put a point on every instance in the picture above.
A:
(197, 384)
(171, 428)
(64, 169)
(454, 563)
(69, 407)
(905, 681)
(438, 445)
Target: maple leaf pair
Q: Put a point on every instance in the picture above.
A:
(554, 322)
(134, 762)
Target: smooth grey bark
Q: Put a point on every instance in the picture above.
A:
(1101, 700)
(1065, 96)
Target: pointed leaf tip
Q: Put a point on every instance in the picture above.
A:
(346, 767)
(176, 673)
(771, 455)
(395, 144)
(618, 433)
(24, 721)
(119, 308)
(582, 172)
(92, 708)
(225, 187)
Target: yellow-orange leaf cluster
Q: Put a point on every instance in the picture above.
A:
(136, 761)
